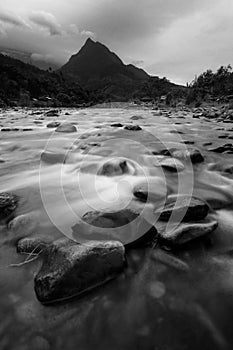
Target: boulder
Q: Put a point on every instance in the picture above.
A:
(186, 232)
(8, 204)
(116, 167)
(53, 158)
(70, 269)
(53, 125)
(66, 127)
(133, 127)
(184, 208)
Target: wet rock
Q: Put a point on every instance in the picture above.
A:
(132, 230)
(70, 269)
(31, 245)
(186, 232)
(184, 209)
(116, 167)
(116, 125)
(133, 127)
(52, 113)
(27, 129)
(53, 158)
(8, 204)
(66, 127)
(53, 125)
(5, 129)
(222, 149)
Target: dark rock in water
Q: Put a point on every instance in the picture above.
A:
(8, 204)
(70, 269)
(207, 144)
(133, 127)
(196, 156)
(30, 245)
(186, 142)
(52, 113)
(186, 232)
(6, 129)
(185, 209)
(116, 167)
(109, 219)
(66, 127)
(132, 235)
(136, 117)
(53, 158)
(27, 129)
(116, 125)
(222, 149)
(53, 125)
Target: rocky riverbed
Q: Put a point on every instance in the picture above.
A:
(116, 228)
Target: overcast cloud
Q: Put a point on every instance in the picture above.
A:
(172, 38)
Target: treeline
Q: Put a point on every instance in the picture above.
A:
(24, 84)
(211, 85)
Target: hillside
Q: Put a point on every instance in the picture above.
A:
(22, 83)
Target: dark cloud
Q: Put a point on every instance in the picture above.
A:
(11, 18)
(173, 38)
(47, 21)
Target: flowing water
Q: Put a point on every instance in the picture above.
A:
(163, 300)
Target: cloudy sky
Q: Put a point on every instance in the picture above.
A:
(172, 38)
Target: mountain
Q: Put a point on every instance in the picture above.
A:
(24, 84)
(28, 57)
(96, 67)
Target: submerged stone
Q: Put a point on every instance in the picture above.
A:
(124, 225)
(186, 232)
(70, 269)
(184, 208)
(53, 158)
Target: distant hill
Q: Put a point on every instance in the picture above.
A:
(27, 57)
(21, 83)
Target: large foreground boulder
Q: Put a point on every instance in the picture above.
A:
(70, 269)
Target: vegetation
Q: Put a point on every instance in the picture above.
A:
(24, 84)
(210, 85)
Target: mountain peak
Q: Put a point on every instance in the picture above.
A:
(89, 41)
(95, 61)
